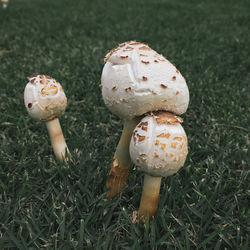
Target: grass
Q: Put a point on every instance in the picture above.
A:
(47, 204)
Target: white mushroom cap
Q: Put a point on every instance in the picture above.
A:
(158, 146)
(44, 98)
(136, 80)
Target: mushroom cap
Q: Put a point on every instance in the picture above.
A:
(159, 146)
(44, 98)
(136, 79)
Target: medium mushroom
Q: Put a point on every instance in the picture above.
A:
(158, 148)
(136, 80)
(45, 101)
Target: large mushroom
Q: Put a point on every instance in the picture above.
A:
(158, 148)
(136, 80)
(45, 101)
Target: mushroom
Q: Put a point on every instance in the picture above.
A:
(161, 153)
(136, 80)
(5, 3)
(45, 101)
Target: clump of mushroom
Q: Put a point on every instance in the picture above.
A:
(136, 80)
(45, 101)
(158, 148)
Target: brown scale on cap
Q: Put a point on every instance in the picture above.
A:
(163, 145)
(49, 90)
(178, 138)
(136, 43)
(141, 124)
(156, 61)
(145, 62)
(128, 89)
(166, 117)
(143, 55)
(33, 80)
(123, 57)
(156, 155)
(122, 45)
(157, 142)
(144, 78)
(177, 92)
(174, 78)
(143, 155)
(44, 81)
(164, 135)
(173, 144)
(114, 88)
(164, 86)
(160, 166)
(144, 48)
(141, 138)
(177, 71)
(129, 48)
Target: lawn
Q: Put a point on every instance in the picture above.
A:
(53, 205)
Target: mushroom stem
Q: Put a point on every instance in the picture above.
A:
(119, 170)
(57, 139)
(149, 198)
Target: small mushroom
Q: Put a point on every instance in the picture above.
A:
(4, 3)
(140, 84)
(45, 101)
(159, 163)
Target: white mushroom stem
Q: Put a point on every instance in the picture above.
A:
(149, 198)
(57, 139)
(119, 170)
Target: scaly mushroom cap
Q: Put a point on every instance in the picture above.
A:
(136, 80)
(44, 98)
(158, 146)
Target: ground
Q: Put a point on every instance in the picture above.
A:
(48, 204)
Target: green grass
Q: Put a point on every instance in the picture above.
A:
(46, 204)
